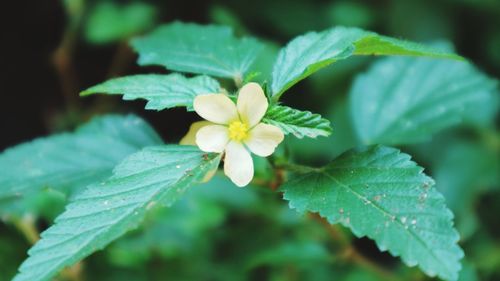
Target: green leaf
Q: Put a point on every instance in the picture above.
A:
(106, 210)
(72, 160)
(469, 272)
(299, 123)
(464, 171)
(407, 100)
(204, 49)
(161, 91)
(309, 53)
(380, 193)
(170, 232)
(299, 253)
(109, 22)
(187, 226)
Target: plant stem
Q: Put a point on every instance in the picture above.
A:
(279, 179)
(122, 58)
(26, 226)
(74, 272)
(63, 55)
(63, 63)
(350, 253)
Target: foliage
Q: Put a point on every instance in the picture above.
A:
(186, 47)
(112, 201)
(109, 21)
(380, 193)
(106, 210)
(161, 91)
(67, 162)
(443, 93)
(309, 53)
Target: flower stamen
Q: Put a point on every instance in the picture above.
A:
(238, 131)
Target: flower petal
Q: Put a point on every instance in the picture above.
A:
(217, 108)
(212, 138)
(238, 164)
(190, 137)
(264, 139)
(252, 104)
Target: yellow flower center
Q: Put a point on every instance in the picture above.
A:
(238, 131)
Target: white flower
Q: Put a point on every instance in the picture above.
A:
(235, 130)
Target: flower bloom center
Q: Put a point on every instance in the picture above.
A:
(238, 131)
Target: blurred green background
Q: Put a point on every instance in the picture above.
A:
(54, 49)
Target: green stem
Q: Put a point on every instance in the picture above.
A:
(26, 226)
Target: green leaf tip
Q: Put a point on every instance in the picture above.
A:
(313, 51)
(381, 45)
(160, 91)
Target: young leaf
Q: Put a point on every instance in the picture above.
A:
(380, 193)
(309, 53)
(106, 210)
(407, 100)
(299, 123)
(187, 47)
(161, 91)
(72, 160)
